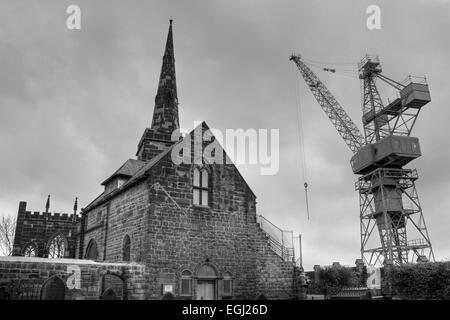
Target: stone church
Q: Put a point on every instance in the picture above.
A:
(180, 231)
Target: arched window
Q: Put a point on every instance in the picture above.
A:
(227, 284)
(91, 251)
(57, 247)
(186, 283)
(201, 183)
(126, 248)
(30, 250)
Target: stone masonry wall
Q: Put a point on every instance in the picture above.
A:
(170, 234)
(224, 235)
(24, 277)
(123, 215)
(38, 228)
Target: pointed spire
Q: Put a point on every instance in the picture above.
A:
(47, 204)
(75, 209)
(165, 114)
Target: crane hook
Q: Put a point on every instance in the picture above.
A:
(306, 196)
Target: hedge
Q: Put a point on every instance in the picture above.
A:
(422, 281)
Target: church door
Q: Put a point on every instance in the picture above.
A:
(205, 289)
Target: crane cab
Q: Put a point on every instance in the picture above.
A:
(415, 94)
(391, 151)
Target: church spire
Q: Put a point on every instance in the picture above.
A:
(158, 138)
(165, 114)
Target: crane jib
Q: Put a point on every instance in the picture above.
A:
(337, 115)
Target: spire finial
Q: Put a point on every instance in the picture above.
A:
(75, 209)
(170, 20)
(47, 204)
(75, 206)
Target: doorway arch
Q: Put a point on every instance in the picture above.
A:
(206, 284)
(112, 287)
(53, 289)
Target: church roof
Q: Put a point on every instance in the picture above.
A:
(128, 169)
(142, 172)
(138, 174)
(165, 120)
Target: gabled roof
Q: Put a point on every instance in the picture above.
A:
(145, 166)
(142, 168)
(128, 169)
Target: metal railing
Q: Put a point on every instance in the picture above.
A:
(281, 241)
(417, 242)
(368, 59)
(414, 79)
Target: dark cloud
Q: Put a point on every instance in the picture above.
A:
(73, 104)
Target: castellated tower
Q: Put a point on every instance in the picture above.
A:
(45, 234)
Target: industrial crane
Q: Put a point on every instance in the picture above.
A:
(387, 193)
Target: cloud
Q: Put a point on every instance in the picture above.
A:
(74, 104)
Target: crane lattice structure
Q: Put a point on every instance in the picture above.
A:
(387, 192)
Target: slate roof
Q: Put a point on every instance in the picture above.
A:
(128, 169)
(144, 166)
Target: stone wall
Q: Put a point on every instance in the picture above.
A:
(38, 228)
(224, 235)
(30, 278)
(171, 235)
(109, 223)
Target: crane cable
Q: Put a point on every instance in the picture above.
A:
(301, 140)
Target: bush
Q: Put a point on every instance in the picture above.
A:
(333, 279)
(422, 281)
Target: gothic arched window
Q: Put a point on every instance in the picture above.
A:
(126, 248)
(57, 247)
(30, 251)
(200, 196)
(91, 251)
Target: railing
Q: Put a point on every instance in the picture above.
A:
(368, 59)
(281, 241)
(414, 79)
(417, 242)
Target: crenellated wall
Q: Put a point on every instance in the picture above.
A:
(25, 278)
(38, 228)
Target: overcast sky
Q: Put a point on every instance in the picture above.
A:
(74, 104)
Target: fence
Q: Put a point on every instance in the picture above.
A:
(281, 241)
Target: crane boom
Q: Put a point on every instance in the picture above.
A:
(340, 119)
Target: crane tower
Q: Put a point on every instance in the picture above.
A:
(388, 197)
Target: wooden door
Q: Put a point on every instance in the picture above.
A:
(205, 289)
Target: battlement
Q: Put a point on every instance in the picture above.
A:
(37, 215)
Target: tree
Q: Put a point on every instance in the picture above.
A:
(333, 279)
(7, 230)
